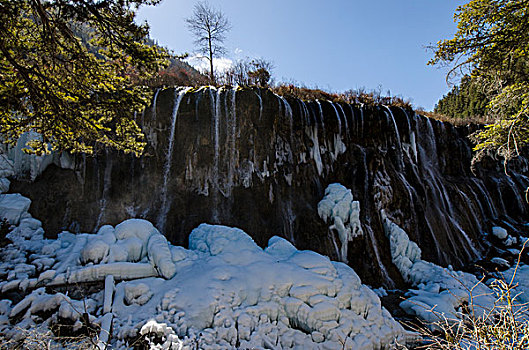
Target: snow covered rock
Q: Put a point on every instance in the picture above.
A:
(230, 291)
(225, 292)
(13, 207)
(94, 251)
(138, 228)
(4, 185)
(137, 293)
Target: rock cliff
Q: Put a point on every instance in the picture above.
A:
(251, 159)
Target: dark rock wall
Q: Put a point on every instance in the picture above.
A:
(250, 159)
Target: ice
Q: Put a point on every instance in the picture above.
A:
(441, 292)
(160, 255)
(26, 165)
(6, 167)
(4, 185)
(13, 207)
(120, 271)
(109, 291)
(338, 208)
(224, 292)
(499, 232)
(104, 335)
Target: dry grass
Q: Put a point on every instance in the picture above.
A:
(503, 326)
(39, 339)
(478, 120)
(359, 96)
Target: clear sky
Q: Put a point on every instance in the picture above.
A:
(335, 45)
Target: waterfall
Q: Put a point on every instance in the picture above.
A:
(345, 120)
(321, 116)
(337, 118)
(154, 103)
(385, 275)
(288, 114)
(260, 104)
(216, 115)
(361, 121)
(232, 132)
(164, 206)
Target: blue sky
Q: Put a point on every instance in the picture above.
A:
(334, 45)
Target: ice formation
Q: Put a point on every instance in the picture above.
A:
(441, 292)
(223, 292)
(339, 209)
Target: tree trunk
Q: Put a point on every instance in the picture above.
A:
(211, 72)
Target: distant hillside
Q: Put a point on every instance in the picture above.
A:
(464, 101)
(179, 73)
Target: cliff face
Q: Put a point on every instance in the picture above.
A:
(251, 159)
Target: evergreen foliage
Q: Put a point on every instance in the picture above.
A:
(464, 101)
(492, 43)
(72, 71)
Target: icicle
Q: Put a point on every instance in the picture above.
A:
(164, 206)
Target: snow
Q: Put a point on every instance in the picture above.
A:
(109, 291)
(338, 208)
(4, 185)
(221, 293)
(224, 292)
(160, 255)
(13, 207)
(441, 292)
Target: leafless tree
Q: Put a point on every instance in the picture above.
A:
(209, 26)
(249, 72)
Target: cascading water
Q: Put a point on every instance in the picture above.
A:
(346, 124)
(164, 205)
(154, 100)
(234, 160)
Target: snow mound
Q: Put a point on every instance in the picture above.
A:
(339, 208)
(235, 292)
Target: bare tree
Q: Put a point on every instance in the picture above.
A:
(249, 72)
(209, 26)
